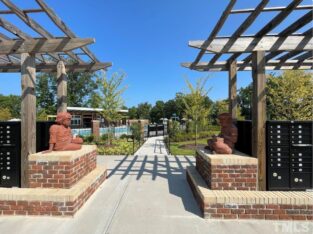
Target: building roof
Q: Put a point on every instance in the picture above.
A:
(70, 108)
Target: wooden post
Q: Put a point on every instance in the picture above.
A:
(259, 115)
(61, 87)
(232, 89)
(28, 113)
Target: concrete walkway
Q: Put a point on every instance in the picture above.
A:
(144, 194)
(153, 146)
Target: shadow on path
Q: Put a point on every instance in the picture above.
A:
(171, 168)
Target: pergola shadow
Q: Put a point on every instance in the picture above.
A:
(171, 168)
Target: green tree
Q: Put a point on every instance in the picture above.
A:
(195, 104)
(80, 88)
(218, 107)
(111, 96)
(46, 94)
(12, 103)
(290, 96)
(157, 112)
(143, 110)
(132, 113)
(95, 100)
(245, 102)
(5, 114)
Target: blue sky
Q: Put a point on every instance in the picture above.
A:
(148, 40)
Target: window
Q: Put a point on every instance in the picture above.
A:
(76, 120)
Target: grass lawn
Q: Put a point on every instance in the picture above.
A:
(178, 149)
(119, 147)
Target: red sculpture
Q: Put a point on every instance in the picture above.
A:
(61, 138)
(224, 143)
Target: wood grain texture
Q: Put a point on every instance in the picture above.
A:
(28, 113)
(259, 116)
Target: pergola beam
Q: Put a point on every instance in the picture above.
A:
(215, 31)
(57, 20)
(305, 19)
(26, 11)
(46, 67)
(242, 66)
(275, 22)
(35, 26)
(270, 9)
(242, 28)
(41, 45)
(250, 44)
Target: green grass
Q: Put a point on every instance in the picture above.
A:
(175, 150)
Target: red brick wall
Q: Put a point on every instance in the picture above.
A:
(273, 212)
(60, 174)
(47, 207)
(252, 211)
(227, 177)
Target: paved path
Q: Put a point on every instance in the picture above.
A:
(153, 146)
(144, 194)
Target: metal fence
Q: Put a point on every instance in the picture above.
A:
(117, 131)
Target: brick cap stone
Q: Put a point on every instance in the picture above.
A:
(239, 197)
(237, 158)
(62, 156)
(51, 194)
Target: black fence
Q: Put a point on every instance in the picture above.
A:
(10, 149)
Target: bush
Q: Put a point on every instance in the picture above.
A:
(136, 131)
(124, 136)
(104, 137)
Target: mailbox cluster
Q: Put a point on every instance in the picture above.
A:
(10, 150)
(289, 155)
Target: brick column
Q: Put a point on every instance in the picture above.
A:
(95, 129)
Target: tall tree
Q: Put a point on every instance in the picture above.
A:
(80, 87)
(290, 96)
(132, 113)
(157, 112)
(46, 94)
(195, 103)
(111, 96)
(143, 110)
(245, 102)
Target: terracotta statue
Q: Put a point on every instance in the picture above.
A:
(61, 138)
(224, 143)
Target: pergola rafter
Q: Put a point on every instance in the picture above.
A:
(21, 52)
(289, 49)
(44, 57)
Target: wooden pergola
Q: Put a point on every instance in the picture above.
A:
(21, 52)
(265, 50)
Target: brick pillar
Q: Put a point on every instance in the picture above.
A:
(95, 129)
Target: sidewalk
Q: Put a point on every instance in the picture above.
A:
(144, 194)
(153, 146)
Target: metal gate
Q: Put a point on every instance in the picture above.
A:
(156, 130)
(289, 155)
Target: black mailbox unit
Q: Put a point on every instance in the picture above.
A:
(289, 155)
(10, 149)
(10, 154)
